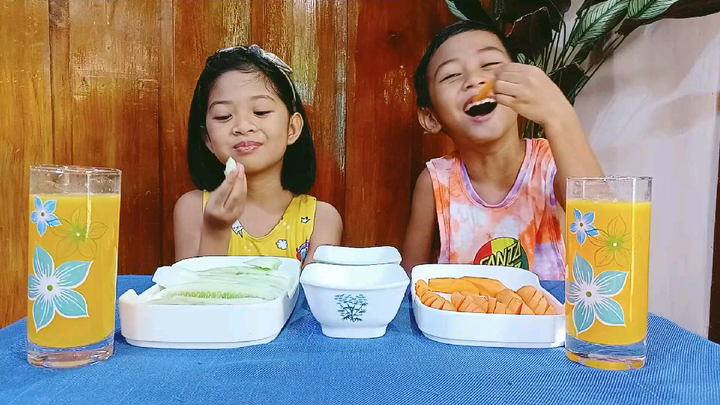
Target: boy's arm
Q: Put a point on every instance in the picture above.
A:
(532, 94)
(571, 151)
(422, 226)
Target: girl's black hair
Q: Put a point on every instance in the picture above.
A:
(420, 78)
(206, 171)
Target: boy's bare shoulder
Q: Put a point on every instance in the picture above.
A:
(424, 183)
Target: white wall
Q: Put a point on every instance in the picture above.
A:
(653, 110)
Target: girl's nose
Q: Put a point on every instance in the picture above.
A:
(243, 127)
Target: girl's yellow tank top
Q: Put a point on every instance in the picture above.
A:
(289, 238)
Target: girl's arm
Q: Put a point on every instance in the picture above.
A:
(192, 235)
(188, 218)
(328, 229)
(417, 246)
(206, 231)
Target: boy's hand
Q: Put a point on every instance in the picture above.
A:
(531, 93)
(227, 202)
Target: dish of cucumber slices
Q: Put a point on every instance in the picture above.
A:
(255, 281)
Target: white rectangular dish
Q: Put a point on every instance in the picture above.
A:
(492, 330)
(354, 301)
(180, 326)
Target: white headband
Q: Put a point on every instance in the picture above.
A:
(272, 58)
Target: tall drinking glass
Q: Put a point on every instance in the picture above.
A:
(606, 288)
(72, 264)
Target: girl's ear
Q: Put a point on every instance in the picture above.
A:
(295, 128)
(428, 121)
(206, 138)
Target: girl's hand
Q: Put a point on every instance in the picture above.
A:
(226, 203)
(531, 93)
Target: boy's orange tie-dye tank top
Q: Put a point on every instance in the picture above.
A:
(522, 231)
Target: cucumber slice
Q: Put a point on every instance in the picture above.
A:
(230, 165)
(216, 293)
(265, 263)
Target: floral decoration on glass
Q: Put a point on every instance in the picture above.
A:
(592, 296)
(79, 234)
(43, 216)
(52, 289)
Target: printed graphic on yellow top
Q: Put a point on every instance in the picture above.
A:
(522, 231)
(289, 238)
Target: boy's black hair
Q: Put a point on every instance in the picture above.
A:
(206, 171)
(420, 77)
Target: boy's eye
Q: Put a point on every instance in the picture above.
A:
(490, 64)
(450, 76)
(262, 113)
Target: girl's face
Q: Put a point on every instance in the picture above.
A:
(457, 71)
(246, 120)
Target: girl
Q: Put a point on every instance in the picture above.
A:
(245, 107)
(493, 201)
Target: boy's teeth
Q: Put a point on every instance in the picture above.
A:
(484, 101)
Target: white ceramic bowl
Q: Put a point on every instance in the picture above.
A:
(354, 301)
(354, 256)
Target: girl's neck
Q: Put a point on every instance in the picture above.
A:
(265, 188)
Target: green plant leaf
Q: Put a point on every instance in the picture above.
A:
(513, 10)
(567, 78)
(680, 9)
(470, 10)
(648, 9)
(587, 4)
(532, 33)
(454, 10)
(598, 21)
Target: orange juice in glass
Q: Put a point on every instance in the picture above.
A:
(72, 264)
(606, 288)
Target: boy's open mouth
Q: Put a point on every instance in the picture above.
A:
(480, 108)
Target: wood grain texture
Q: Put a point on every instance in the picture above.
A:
(191, 31)
(109, 113)
(311, 36)
(26, 128)
(110, 83)
(385, 149)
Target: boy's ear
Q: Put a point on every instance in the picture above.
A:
(295, 128)
(428, 121)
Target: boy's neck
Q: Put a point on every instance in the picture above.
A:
(499, 159)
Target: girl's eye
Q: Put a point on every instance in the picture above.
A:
(490, 64)
(222, 118)
(450, 76)
(262, 113)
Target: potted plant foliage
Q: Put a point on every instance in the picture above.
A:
(571, 55)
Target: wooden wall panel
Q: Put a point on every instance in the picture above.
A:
(109, 83)
(426, 146)
(311, 36)
(110, 112)
(25, 138)
(385, 149)
(191, 31)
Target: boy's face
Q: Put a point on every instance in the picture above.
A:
(456, 72)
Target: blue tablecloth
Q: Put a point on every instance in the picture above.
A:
(303, 366)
